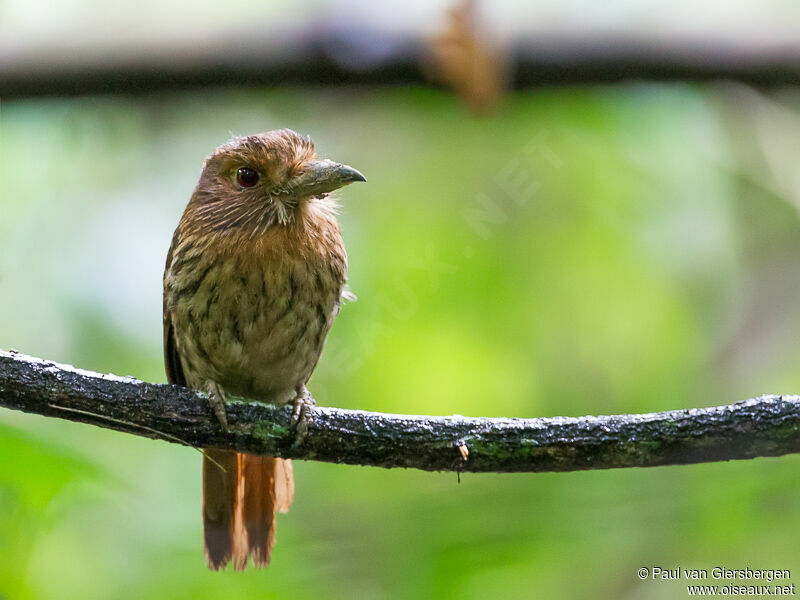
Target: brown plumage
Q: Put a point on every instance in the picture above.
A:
(253, 281)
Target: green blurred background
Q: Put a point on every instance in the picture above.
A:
(584, 251)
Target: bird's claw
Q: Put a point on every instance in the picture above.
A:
(302, 410)
(216, 398)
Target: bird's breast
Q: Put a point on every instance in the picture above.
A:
(255, 319)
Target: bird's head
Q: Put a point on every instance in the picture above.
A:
(263, 180)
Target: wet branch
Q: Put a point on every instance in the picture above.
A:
(764, 426)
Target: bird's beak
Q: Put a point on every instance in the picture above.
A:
(322, 176)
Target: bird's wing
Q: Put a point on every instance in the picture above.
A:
(172, 360)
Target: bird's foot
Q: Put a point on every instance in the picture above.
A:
(216, 398)
(301, 415)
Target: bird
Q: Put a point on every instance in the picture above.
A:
(253, 280)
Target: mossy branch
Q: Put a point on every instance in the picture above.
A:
(765, 426)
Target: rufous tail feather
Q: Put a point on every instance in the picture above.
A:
(239, 506)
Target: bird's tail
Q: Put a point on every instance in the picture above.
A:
(241, 494)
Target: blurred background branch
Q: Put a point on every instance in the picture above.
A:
(766, 426)
(348, 52)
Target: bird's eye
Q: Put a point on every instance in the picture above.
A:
(246, 177)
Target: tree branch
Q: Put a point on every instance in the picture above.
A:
(325, 53)
(765, 426)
